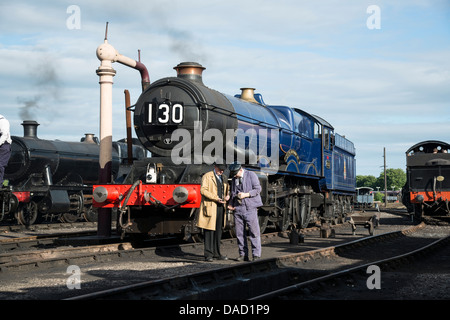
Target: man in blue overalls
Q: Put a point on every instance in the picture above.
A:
(5, 146)
(244, 200)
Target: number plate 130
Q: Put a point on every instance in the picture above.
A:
(165, 113)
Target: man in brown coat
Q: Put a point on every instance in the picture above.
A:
(214, 192)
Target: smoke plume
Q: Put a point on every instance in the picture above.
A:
(186, 46)
(46, 85)
(28, 107)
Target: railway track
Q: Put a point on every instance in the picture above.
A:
(63, 249)
(46, 227)
(263, 279)
(38, 241)
(55, 256)
(20, 237)
(351, 277)
(102, 267)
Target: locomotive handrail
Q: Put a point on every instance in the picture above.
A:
(124, 206)
(254, 121)
(259, 122)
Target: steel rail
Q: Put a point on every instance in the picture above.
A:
(11, 259)
(190, 285)
(47, 226)
(293, 288)
(10, 244)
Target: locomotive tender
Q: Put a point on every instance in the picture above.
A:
(427, 188)
(52, 179)
(306, 170)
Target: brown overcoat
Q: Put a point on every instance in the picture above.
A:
(208, 206)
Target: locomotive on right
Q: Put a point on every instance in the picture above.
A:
(427, 188)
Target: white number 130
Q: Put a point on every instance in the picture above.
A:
(164, 114)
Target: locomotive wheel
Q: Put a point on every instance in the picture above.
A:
(187, 236)
(69, 218)
(197, 238)
(91, 215)
(305, 211)
(263, 220)
(282, 218)
(27, 214)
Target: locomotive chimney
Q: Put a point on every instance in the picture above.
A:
(190, 71)
(89, 138)
(30, 128)
(248, 94)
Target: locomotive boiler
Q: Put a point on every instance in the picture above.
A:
(51, 179)
(306, 170)
(427, 188)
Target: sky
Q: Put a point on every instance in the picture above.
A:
(378, 71)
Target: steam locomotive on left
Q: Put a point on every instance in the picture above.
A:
(52, 179)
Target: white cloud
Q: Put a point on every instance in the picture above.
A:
(381, 88)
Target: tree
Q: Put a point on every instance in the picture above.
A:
(378, 196)
(365, 181)
(396, 179)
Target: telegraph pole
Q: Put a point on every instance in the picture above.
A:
(385, 178)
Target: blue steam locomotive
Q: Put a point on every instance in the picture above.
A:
(306, 170)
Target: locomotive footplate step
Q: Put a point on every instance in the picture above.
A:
(88, 240)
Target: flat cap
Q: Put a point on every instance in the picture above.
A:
(234, 168)
(220, 166)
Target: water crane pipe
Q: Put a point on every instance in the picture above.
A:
(107, 55)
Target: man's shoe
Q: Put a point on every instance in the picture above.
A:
(256, 258)
(242, 258)
(221, 258)
(210, 259)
